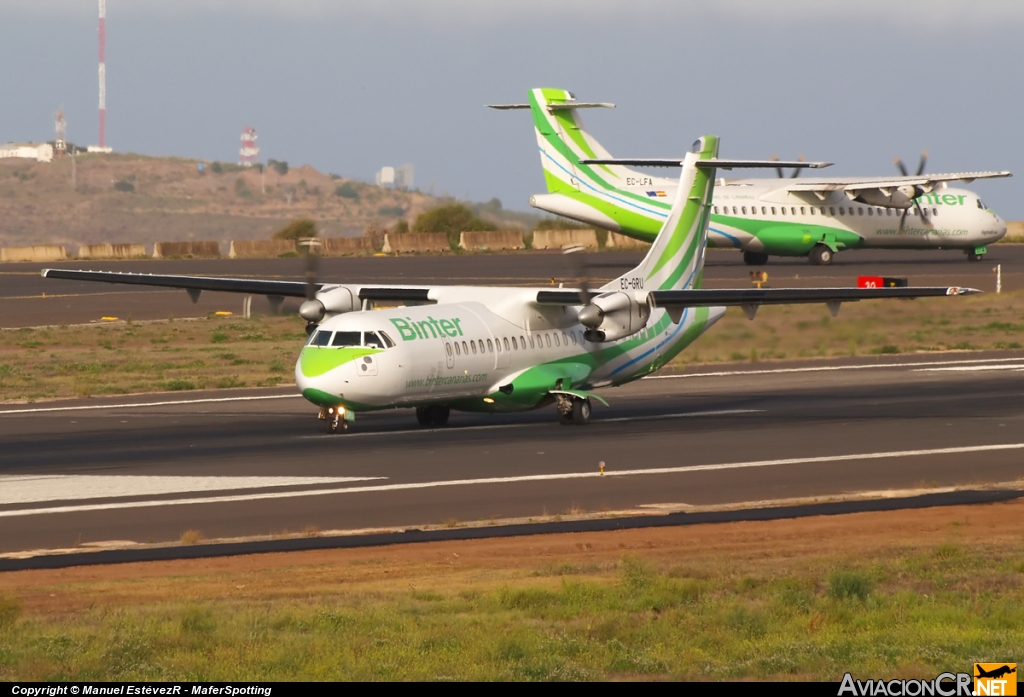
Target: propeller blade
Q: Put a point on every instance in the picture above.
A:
(899, 165)
(778, 170)
(924, 159)
(312, 263)
(796, 170)
(903, 219)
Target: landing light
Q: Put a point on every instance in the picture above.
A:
(488, 400)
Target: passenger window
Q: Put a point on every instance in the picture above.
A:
(860, 211)
(556, 339)
(870, 211)
(490, 346)
(715, 209)
(734, 210)
(831, 211)
(515, 345)
(505, 341)
(531, 341)
(547, 339)
(842, 211)
(773, 210)
(483, 348)
(783, 210)
(473, 344)
(935, 211)
(458, 351)
(522, 341)
(347, 339)
(802, 211)
(389, 341)
(764, 211)
(812, 210)
(565, 339)
(744, 209)
(572, 335)
(465, 348)
(792, 209)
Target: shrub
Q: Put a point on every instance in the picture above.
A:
(843, 585)
(451, 219)
(297, 230)
(280, 167)
(346, 190)
(125, 186)
(391, 211)
(241, 188)
(402, 227)
(216, 168)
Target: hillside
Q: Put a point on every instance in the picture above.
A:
(135, 198)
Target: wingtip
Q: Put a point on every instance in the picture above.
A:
(956, 290)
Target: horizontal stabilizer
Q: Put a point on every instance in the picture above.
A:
(709, 297)
(508, 106)
(563, 106)
(713, 163)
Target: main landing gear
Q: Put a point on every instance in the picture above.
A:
(572, 410)
(821, 255)
(974, 256)
(433, 415)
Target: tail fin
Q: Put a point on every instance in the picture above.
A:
(610, 196)
(675, 260)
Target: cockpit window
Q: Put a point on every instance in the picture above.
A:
(387, 340)
(371, 339)
(346, 339)
(321, 338)
(981, 205)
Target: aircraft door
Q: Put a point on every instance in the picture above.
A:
(449, 353)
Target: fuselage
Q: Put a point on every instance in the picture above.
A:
(480, 349)
(759, 215)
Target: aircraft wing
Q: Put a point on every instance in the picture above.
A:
(926, 182)
(708, 297)
(251, 286)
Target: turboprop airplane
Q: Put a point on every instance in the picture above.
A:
(808, 217)
(493, 349)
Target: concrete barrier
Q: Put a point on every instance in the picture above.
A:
(416, 242)
(498, 239)
(556, 239)
(341, 246)
(256, 249)
(43, 252)
(111, 251)
(617, 241)
(200, 248)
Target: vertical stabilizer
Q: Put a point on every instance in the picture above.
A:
(676, 258)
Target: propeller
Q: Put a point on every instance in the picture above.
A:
(920, 170)
(796, 170)
(312, 310)
(590, 315)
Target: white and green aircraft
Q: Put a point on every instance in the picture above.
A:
(808, 217)
(495, 349)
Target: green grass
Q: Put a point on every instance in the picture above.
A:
(921, 612)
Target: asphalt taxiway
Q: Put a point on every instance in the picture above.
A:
(257, 462)
(28, 299)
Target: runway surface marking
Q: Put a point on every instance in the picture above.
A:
(828, 368)
(963, 368)
(486, 427)
(68, 487)
(595, 474)
(151, 404)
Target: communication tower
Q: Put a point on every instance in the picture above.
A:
(103, 73)
(60, 144)
(248, 154)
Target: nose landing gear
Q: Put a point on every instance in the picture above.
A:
(335, 418)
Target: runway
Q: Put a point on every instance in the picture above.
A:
(30, 300)
(250, 463)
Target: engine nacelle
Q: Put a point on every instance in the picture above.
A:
(330, 302)
(612, 316)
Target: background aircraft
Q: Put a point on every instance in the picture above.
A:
(492, 349)
(813, 217)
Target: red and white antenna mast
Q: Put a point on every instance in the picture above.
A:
(248, 153)
(103, 73)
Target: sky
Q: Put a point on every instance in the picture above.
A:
(349, 87)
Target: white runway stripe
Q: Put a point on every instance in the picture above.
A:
(610, 473)
(150, 404)
(1016, 367)
(829, 368)
(70, 487)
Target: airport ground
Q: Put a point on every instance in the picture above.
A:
(141, 472)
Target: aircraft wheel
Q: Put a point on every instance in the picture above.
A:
(565, 419)
(971, 256)
(755, 258)
(337, 425)
(581, 411)
(821, 255)
(440, 415)
(423, 415)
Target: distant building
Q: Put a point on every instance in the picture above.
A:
(403, 176)
(29, 151)
(99, 148)
(385, 177)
